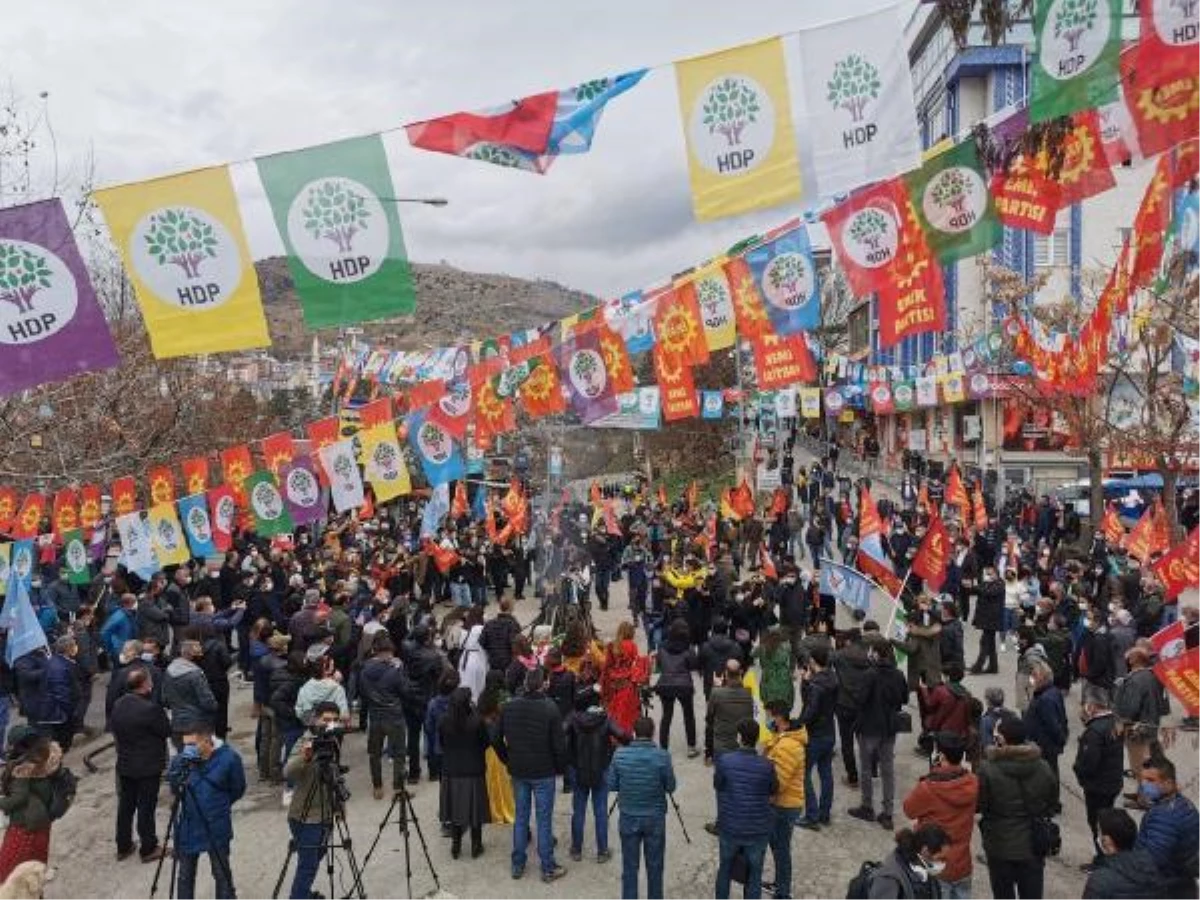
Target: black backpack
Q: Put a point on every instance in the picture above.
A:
(859, 887)
(63, 785)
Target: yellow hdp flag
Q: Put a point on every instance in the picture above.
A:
(715, 299)
(167, 537)
(750, 683)
(737, 123)
(182, 243)
(384, 463)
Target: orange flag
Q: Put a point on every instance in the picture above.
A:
(923, 497)
(489, 521)
(322, 433)
(89, 505)
(1112, 529)
(1179, 569)
(541, 393)
(459, 507)
(741, 499)
(1150, 535)
(662, 496)
(8, 508)
(766, 563)
(195, 474)
(162, 485)
(933, 556)
(66, 512)
(278, 450)
(375, 413)
(779, 502)
(679, 327)
(956, 492)
(594, 494)
(981, 516)
(236, 467)
(616, 359)
(444, 558)
(29, 519)
(124, 495)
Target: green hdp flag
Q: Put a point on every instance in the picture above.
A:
(951, 196)
(271, 516)
(75, 557)
(1077, 60)
(334, 209)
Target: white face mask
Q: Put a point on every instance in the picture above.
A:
(934, 868)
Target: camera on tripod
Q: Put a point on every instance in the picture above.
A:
(326, 747)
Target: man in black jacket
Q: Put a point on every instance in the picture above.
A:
(793, 606)
(819, 690)
(1099, 761)
(1096, 660)
(386, 687)
(180, 605)
(853, 671)
(530, 741)
(140, 728)
(424, 665)
(591, 734)
(497, 637)
(1046, 716)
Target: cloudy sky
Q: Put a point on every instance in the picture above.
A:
(152, 88)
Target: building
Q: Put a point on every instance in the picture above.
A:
(954, 89)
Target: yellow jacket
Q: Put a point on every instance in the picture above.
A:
(786, 752)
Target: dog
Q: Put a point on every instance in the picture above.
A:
(25, 882)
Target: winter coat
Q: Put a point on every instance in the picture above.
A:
(215, 785)
(387, 689)
(285, 689)
(425, 666)
(895, 878)
(676, 662)
(1021, 688)
(1015, 784)
(120, 627)
(924, 648)
(952, 644)
(1099, 761)
(777, 666)
(793, 604)
(948, 708)
(464, 751)
(496, 640)
(728, 705)
(154, 620)
(590, 736)
(49, 688)
(714, 654)
(886, 692)
(187, 694)
(1136, 699)
(28, 802)
(786, 751)
(820, 699)
(473, 664)
(1170, 831)
(435, 710)
(320, 690)
(140, 728)
(1130, 874)
(530, 739)
(1094, 661)
(1123, 638)
(854, 673)
(641, 775)
(989, 609)
(1046, 720)
(118, 684)
(745, 783)
(310, 801)
(947, 796)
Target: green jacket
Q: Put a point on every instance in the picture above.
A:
(777, 683)
(28, 800)
(1015, 784)
(310, 801)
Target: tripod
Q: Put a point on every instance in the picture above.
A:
(403, 800)
(335, 834)
(222, 860)
(674, 805)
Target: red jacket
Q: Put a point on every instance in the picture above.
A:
(947, 709)
(947, 797)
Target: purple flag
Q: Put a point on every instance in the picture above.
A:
(51, 326)
(584, 371)
(306, 500)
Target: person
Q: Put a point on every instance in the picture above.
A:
(187, 694)
(385, 685)
(463, 798)
(324, 685)
(819, 691)
(120, 627)
(641, 776)
(947, 797)
(886, 693)
(729, 704)
(994, 710)
(131, 657)
(140, 729)
(270, 760)
(785, 750)
(676, 662)
(1126, 871)
(1046, 715)
(776, 660)
(625, 671)
(179, 606)
(1015, 785)
(208, 778)
(51, 705)
(1098, 761)
(951, 642)
(497, 636)
(1170, 829)
(590, 733)
(853, 670)
(913, 868)
(1137, 710)
(1095, 660)
(745, 783)
(473, 664)
(31, 758)
(312, 808)
(989, 618)
(531, 742)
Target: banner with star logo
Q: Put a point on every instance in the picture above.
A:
(161, 481)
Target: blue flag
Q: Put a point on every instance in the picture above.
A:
(579, 111)
(845, 585)
(786, 278)
(193, 513)
(712, 405)
(25, 633)
(436, 509)
(21, 562)
(441, 458)
(479, 503)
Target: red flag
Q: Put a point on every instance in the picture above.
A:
(1026, 198)
(236, 466)
(489, 521)
(932, 561)
(367, 510)
(222, 511)
(1162, 101)
(1112, 529)
(89, 506)
(322, 433)
(426, 393)
(766, 563)
(741, 499)
(869, 521)
(867, 235)
(459, 507)
(493, 414)
(611, 525)
(522, 124)
(923, 497)
(1167, 44)
(692, 495)
(124, 495)
(8, 508)
(616, 359)
(66, 512)
(980, 508)
(278, 450)
(780, 361)
(162, 485)
(516, 507)
(377, 412)
(779, 502)
(445, 558)
(753, 322)
(676, 387)
(195, 474)
(541, 393)
(956, 492)
(1180, 569)
(29, 519)
(874, 568)
(1085, 170)
(913, 301)
(1150, 225)
(595, 495)
(679, 327)
(1178, 666)
(1150, 535)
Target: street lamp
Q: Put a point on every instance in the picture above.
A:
(428, 201)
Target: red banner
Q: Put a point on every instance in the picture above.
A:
(278, 450)
(1025, 198)
(616, 359)
(222, 511)
(8, 508)
(932, 561)
(29, 519)
(913, 301)
(425, 393)
(375, 413)
(1163, 101)
(541, 393)
(752, 319)
(1085, 171)
(89, 505)
(679, 328)
(162, 485)
(1168, 37)
(236, 466)
(322, 433)
(1150, 225)
(956, 492)
(780, 361)
(1150, 535)
(1177, 665)
(195, 475)
(493, 414)
(867, 235)
(676, 387)
(1179, 569)
(66, 512)
(124, 495)
(1112, 529)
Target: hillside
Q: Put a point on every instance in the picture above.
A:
(452, 306)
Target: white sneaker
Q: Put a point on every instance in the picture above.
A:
(1003, 647)
(287, 797)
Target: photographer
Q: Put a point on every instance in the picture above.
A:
(311, 812)
(209, 775)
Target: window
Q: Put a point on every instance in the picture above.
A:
(859, 326)
(1051, 250)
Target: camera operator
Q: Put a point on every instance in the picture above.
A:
(210, 776)
(312, 809)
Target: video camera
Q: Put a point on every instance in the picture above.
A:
(326, 747)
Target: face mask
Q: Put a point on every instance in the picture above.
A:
(191, 752)
(1151, 790)
(934, 868)
(148, 657)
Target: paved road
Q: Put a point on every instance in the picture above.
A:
(84, 854)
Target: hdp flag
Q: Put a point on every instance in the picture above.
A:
(137, 551)
(166, 535)
(222, 508)
(302, 492)
(345, 479)
(583, 369)
(845, 585)
(1169, 35)
(866, 232)
(334, 210)
(786, 277)
(435, 510)
(1076, 58)
(737, 124)
(75, 557)
(932, 561)
(882, 403)
(441, 458)
(271, 515)
(715, 300)
(453, 411)
(182, 242)
(384, 463)
(713, 405)
(197, 526)
(861, 114)
(953, 204)
(18, 618)
(51, 324)
(22, 561)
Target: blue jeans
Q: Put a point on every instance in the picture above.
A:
(534, 794)
(309, 838)
(460, 593)
(638, 834)
(781, 849)
(957, 890)
(755, 849)
(579, 804)
(218, 860)
(819, 757)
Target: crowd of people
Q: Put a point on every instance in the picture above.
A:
(368, 625)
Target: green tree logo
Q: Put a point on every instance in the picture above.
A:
(787, 278)
(181, 238)
(951, 189)
(267, 501)
(869, 227)
(343, 467)
(731, 105)
(167, 535)
(854, 84)
(22, 274)
(386, 460)
(197, 521)
(434, 442)
(587, 372)
(334, 211)
(590, 90)
(710, 292)
(1186, 8)
(495, 154)
(1072, 19)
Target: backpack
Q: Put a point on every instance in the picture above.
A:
(859, 887)
(63, 785)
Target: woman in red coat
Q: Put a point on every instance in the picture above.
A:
(625, 671)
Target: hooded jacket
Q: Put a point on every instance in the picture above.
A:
(853, 671)
(497, 638)
(676, 662)
(386, 686)
(187, 694)
(590, 737)
(820, 698)
(28, 802)
(1015, 784)
(947, 796)
(1100, 760)
(1132, 873)
(786, 751)
(216, 784)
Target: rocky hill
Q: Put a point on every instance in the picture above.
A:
(452, 306)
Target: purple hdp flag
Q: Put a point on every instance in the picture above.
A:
(306, 500)
(584, 371)
(51, 326)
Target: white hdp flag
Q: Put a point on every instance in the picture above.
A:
(345, 480)
(137, 549)
(859, 94)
